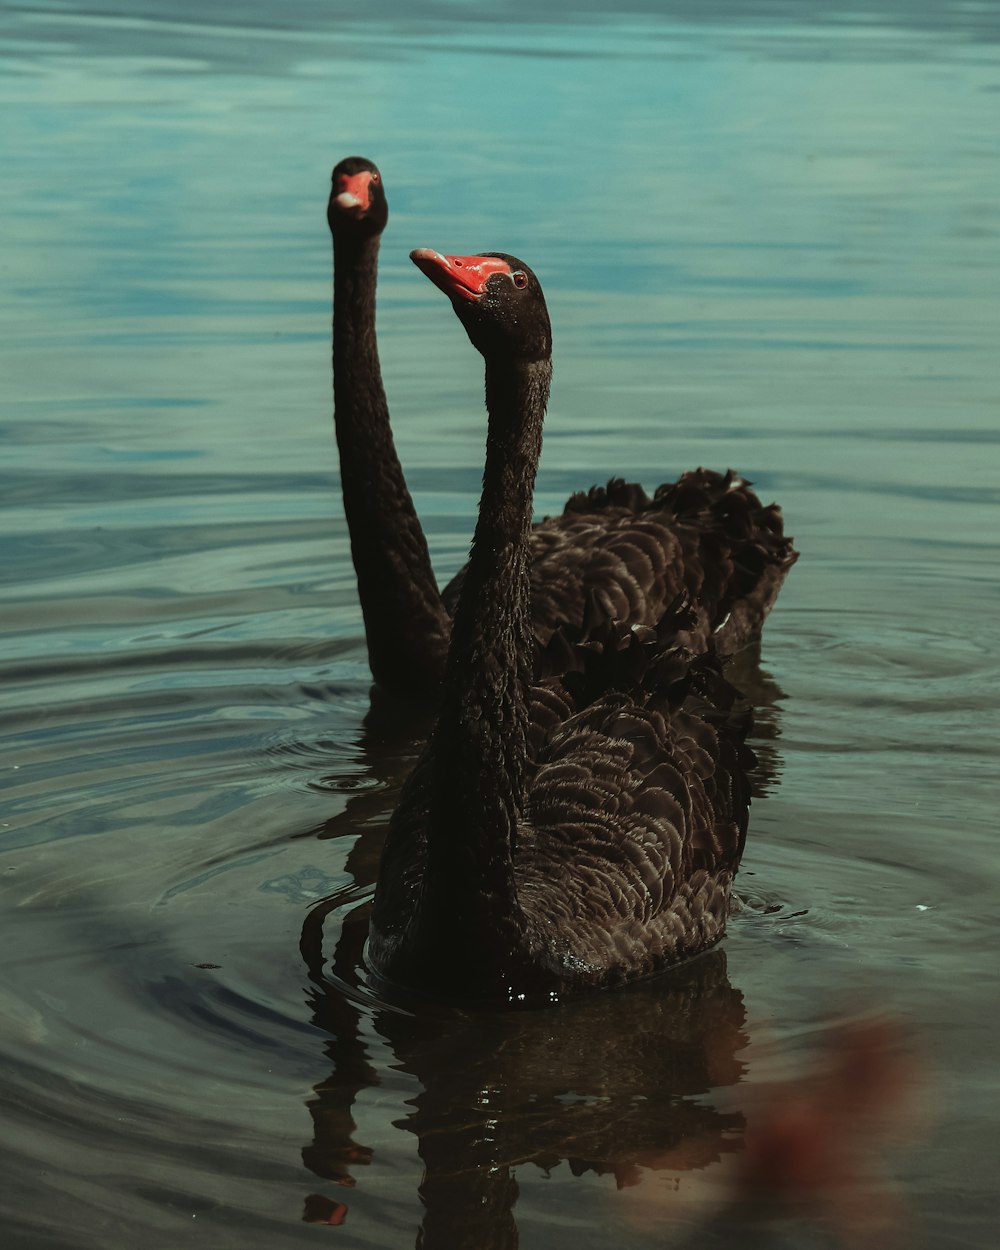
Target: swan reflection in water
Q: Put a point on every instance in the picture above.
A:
(623, 1083)
(609, 1083)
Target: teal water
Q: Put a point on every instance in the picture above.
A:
(770, 238)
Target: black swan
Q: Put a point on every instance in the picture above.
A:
(580, 832)
(406, 624)
(613, 549)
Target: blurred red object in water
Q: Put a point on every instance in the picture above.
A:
(817, 1147)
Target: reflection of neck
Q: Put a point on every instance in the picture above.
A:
(480, 743)
(405, 622)
(468, 1204)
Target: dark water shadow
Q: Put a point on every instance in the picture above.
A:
(609, 1084)
(762, 694)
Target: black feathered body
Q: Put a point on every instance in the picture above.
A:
(615, 553)
(629, 836)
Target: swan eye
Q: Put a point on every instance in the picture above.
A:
(375, 179)
(519, 278)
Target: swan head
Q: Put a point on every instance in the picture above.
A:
(357, 201)
(497, 298)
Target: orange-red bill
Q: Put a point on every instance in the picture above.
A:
(462, 276)
(354, 191)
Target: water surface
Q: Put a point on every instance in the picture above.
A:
(770, 239)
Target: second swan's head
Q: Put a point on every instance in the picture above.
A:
(357, 203)
(497, 298)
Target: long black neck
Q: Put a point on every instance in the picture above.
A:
(406, 625)
(479, 747)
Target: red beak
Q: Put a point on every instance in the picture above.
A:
(353, 192)
(462, 277)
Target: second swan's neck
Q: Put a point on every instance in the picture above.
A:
(405, 622)
(480, 743)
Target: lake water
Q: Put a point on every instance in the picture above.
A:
(770, 238)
